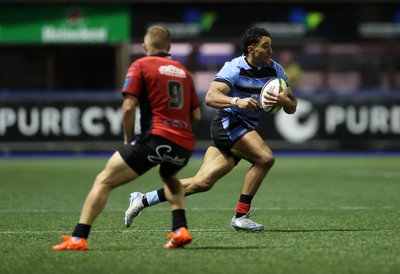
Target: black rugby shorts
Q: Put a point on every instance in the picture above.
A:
(144, 154)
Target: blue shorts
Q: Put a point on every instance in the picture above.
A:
(226, 129)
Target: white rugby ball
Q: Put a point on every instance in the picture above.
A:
(273, 85)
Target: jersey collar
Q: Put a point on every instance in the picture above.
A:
(161, 54)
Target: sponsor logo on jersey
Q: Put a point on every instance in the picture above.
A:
(171, 70)
(175, 123)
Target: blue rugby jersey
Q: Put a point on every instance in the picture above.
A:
(245, 81)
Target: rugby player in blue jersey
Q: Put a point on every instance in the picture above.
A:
(235, 92)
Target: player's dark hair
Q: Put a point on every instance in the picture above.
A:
(252, 36)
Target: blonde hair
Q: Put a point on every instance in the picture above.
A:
(158, 38)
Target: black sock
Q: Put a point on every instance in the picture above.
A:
(245, 198)
(82, 230)
(161, 195)
(178, 219)
(145, 201)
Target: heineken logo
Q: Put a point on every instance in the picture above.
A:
(65, 24)
(74, 30)
(51, 34)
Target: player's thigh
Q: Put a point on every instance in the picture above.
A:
(252, 147)
(116, 172)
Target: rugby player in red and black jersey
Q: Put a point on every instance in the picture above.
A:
(169, 106)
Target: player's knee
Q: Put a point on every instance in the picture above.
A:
(102, 181)
(266, 161)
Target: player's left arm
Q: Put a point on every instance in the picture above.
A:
(289, 102)
(286, 100)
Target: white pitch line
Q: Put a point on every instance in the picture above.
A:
(111, 231)
(375, 173)
(208, 209)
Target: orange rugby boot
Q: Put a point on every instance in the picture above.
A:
(178, 238)
(70, 244)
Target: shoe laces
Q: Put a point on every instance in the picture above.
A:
(247, 215)
(246, 218)
(247, 221)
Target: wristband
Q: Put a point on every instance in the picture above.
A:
(234, 101)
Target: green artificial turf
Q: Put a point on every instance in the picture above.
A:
(321, 215)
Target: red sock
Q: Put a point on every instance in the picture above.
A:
(242, 209)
